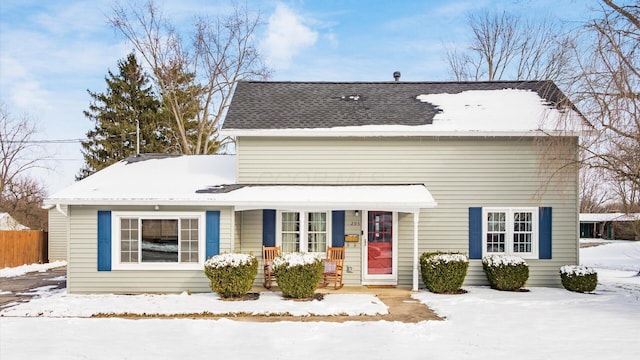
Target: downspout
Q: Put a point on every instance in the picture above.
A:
(416, 221)
(59, 209)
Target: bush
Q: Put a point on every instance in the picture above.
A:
(578, 278)
(297, 274)
(443, 272)
(231, 275)
(508, 273)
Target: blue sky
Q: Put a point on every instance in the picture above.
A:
(51, 52)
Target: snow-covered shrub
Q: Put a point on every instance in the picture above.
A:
(579, 278)
(505, 272)
(443, 272)
(297, 274)
(231, 275)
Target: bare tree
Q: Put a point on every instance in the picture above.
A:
(196, 76)
(23, 201)
(19, 154)
(20, 194)
(506, 46)
(608, 93)
(594, 191)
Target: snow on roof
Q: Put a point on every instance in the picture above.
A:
(496, 110)
(173, 178)
(210, 179)
(603, 217)
(406, 198)
(7, 222)
(468, 113)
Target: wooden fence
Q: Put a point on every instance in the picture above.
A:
(19, 247)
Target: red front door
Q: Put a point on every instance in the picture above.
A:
(379, 243)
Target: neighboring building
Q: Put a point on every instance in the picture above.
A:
(395, 168)
(58, 232)
(602, 225)
(7, 222)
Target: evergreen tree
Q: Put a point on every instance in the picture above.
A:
(128, 98)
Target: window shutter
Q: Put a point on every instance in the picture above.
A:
(544, 232)
(475, 233)
(104, 240)
(212, 233)
(268, 227)
(337, 228)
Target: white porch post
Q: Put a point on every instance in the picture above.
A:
(416, 220)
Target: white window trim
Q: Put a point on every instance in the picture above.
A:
(116, 264)
(535, 239)
(303, 228)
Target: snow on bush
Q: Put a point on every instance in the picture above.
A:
(224, 260)
(295, 259)
(497, 260)
(447, 258)
(577, 270)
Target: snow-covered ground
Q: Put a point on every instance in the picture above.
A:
(544, 323)
(21, 270)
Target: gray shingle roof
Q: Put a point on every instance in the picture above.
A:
(297, 105)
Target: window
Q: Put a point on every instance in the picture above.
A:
(510, 231)
(157, 240)
(303, 231)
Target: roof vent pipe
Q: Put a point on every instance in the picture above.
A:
(396, 75)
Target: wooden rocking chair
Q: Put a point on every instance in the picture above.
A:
(333, 266)
(268, 254)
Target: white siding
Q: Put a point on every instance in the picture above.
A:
(459, 172)
(58, 234)
(82, 274)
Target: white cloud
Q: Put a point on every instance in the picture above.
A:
(286, 36)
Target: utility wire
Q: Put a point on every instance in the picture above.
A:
(57, 141)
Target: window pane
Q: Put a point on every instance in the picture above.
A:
(129, 240)
(496, 232)
(317, 222)
(317, 243)
(495, 243)
(522, 232)
(159, 240)
(290, 232)
(380, 226)
(189, 240)
(290, 242)
(317, 232)
(290, 222)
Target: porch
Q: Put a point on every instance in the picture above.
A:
(376, 224)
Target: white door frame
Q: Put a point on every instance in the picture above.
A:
(382, 279)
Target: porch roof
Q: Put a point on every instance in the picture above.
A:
(403, 198)
(209, 180)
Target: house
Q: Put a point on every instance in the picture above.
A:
(7, 222)
(389, 170)
(602, 225)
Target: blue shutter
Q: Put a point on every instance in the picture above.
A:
(544, 232)
(104, 240)
(268, 227)
(212, 233)
(337, 228)
(475, 233)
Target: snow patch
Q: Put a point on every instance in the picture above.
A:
(21, 270)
